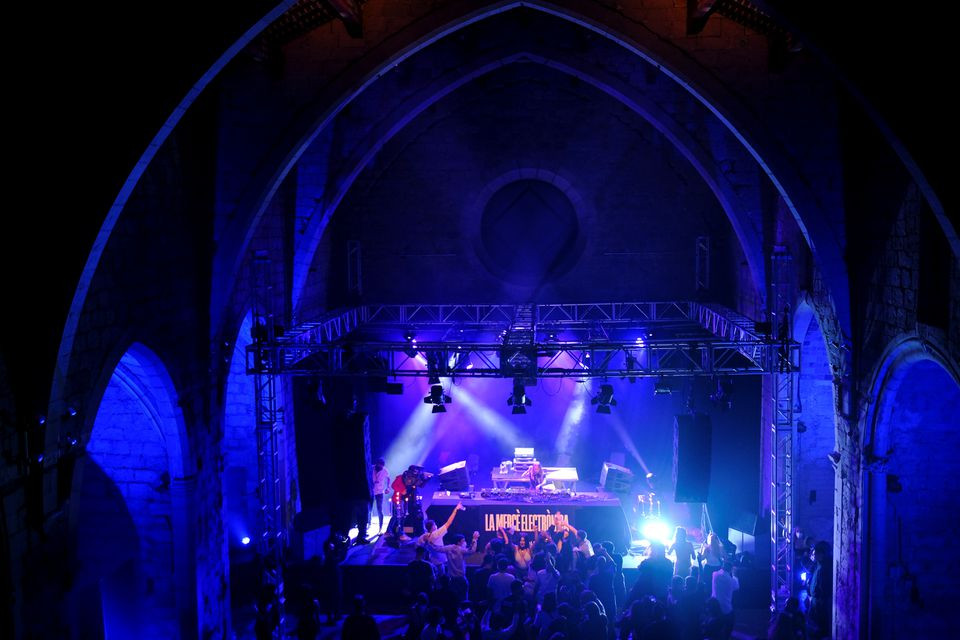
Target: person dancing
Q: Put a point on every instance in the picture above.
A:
(682, 549)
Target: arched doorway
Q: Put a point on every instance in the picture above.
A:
(132, 511)
(912, 504)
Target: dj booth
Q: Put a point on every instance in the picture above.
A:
(560, 477)
(599, 514)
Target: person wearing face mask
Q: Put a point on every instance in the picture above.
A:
(380, 481)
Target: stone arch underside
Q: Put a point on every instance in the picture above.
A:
(129, 518)
(913, 440)
(772, 159)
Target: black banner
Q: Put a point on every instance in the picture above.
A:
(602, 518)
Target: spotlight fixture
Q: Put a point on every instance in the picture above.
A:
(463, 362)
(631, 366)
(723, 395)
(661, 388)
(552, 339)
(410, 336)
(604, 400)
(438, 399)
(436, 366)
(518, 399)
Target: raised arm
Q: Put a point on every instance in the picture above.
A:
(453, 514)
(473, 545)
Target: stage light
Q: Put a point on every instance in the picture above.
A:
(631, 366)
(723, 395)
(518, 399)
(662, 387)
(245, 540)
(462, 362)
(649, 475)
(438, 399)
(656, 530)
(411, 338)
(436, 366)
(604, 400)
(803, 576)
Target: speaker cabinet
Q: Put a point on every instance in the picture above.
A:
(616, 479)
(691, 457)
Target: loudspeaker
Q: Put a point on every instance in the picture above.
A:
(454, 477)
(351, 464)
(615, 479)
(691, 457)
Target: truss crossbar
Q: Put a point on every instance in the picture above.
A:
(341, 323)
(605, 359)
(330, 347)
(338, 324)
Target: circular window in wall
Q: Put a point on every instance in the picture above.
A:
(529, 233)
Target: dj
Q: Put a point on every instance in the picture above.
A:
(535, 475)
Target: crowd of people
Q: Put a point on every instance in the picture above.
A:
(559, 585)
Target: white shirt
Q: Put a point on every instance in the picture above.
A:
(433, 541)
(586, 548)
(381, 480)
(724, 585)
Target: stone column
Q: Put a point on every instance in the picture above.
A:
(183, 501)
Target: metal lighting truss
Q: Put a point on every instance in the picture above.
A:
(472, 340)
(606, 340)
(781, 433)
(269, 416)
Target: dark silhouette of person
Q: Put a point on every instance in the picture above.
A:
(821, 592)
(420, 575)
(654, 575)
(789, 624)
(360, 625)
